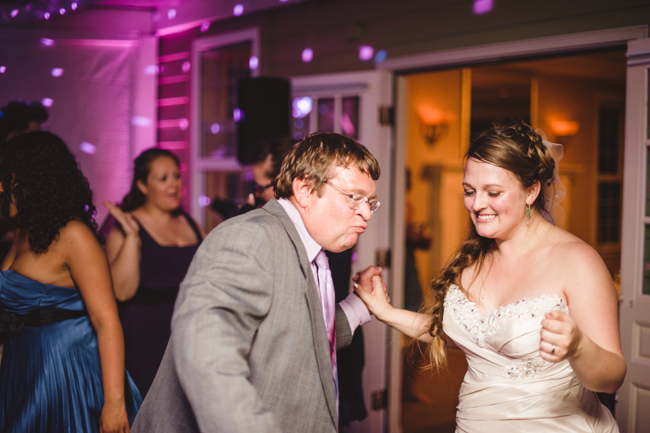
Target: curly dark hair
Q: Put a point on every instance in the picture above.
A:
(18, 114)
(41, 175)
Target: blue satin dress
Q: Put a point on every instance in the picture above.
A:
(50, 376)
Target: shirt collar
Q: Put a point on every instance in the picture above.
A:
(310, 244)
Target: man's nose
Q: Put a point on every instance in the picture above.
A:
(365, 211)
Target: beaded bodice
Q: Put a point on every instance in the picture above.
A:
(510, 332)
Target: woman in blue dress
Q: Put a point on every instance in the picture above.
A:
(63, 363)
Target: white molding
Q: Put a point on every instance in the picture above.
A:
(517, 49)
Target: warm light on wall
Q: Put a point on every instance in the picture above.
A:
(433, 123)
(564, 128)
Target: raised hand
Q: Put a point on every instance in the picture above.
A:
(126, 220)
(377, 299)
(560, 337)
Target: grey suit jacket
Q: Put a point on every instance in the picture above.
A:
(249, 350)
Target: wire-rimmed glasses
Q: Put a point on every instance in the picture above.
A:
(356, 201)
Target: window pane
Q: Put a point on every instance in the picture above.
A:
(350, 117)
(646, 262)
(221, 68)
(326, 115)
(608, 139)
(609, 212)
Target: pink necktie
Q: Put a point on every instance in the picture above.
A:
(327, 296)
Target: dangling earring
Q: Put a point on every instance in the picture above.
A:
(528, 214)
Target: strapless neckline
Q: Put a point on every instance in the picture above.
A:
(561, 302)
(31, 280)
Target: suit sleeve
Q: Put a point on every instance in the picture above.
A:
(225, 296)
(343, 331)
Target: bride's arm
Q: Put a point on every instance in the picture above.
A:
(589, 338)
(413, 324)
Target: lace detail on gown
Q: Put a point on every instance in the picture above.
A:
(480, 326)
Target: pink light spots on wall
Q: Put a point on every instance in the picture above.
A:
(366, 52)
(307, 55)
(238, 10)
(87, 148)
(47, 102)
(56, 72)
(205, 26)
(3, 69)
(186, 66)
(73, 6)
(47, 42)
(253, 62)
(171, 14)
(14, 13)
(215, 128)
(481, 7)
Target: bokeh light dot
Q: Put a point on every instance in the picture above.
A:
(47, 102)
(307, 55)
(3, 69)
(14, 13)
(171, 14)
(88, 148)
(140, 121)
(238, 10)
(205, 27)
(366, 52)
(62, 11)
(186, 66)
(46, 15)
(204, 201)
(151, 69)
(47, 42)
(253, 62)
(56, 72)
(73, 6)
(380, 56)
(481, 7)
(183, 124)
(214, 128)
(237, 115)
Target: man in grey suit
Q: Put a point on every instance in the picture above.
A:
(255, 329)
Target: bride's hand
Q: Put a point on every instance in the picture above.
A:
(560, 337)
(377, 301)
(363, 279)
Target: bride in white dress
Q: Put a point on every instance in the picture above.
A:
(532, 306)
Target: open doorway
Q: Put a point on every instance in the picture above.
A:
(577, 101)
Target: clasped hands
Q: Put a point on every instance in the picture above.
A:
(372, 290)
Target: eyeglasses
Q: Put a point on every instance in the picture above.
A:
(259, 189)
(356, 201)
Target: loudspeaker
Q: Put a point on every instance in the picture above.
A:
(264, 105)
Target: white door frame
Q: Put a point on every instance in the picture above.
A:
(368, 86)
(635, 307)
(456, 59)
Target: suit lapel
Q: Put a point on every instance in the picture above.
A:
(321, 345)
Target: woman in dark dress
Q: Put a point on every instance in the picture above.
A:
(63, 363)
(150, 251)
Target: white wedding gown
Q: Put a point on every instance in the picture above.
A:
(508, 387)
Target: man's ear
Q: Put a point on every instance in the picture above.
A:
(142, 187)
(302, 190)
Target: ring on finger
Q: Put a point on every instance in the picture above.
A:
(553, 350)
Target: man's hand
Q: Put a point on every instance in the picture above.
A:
(363, 280)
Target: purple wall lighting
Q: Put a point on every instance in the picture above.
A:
(483, 6)
(366, 52)
(307, 55)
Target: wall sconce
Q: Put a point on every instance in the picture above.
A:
(564, 128)
(433, 123)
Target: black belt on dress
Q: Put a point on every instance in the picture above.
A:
(13, 325)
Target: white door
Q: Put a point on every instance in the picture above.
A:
(632, 411)
(349, 104)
